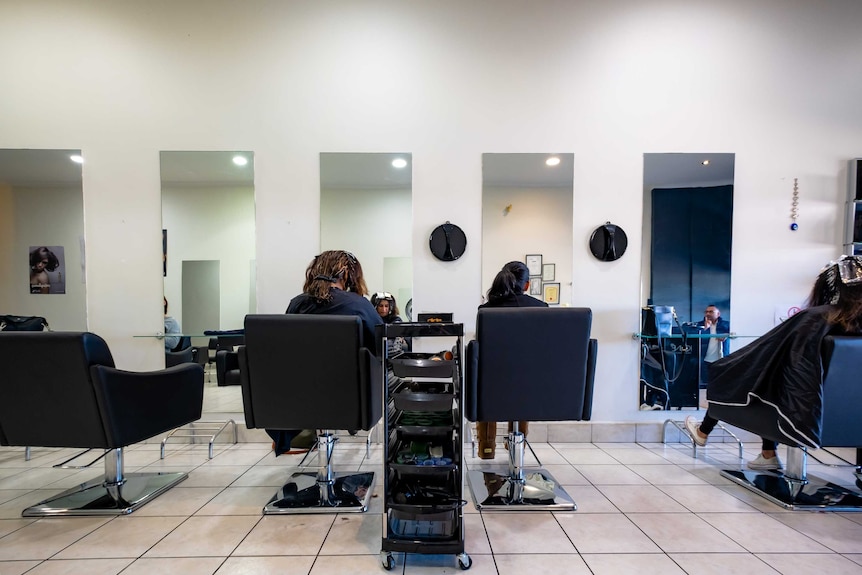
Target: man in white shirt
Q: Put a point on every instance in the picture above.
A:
(713, 324)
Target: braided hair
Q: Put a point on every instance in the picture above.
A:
(329, 267)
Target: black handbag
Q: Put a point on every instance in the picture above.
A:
(21, 323)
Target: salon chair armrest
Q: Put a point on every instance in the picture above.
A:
(138, 405)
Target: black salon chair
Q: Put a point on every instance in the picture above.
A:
(312, 372)
(182, 353)
(61, 389)
(227, 368)
(227, 360)
(841, 427)
(527, 364)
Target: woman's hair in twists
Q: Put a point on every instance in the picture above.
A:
(510, 281)
(329, 267)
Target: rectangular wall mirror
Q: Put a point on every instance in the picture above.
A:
(208, 240)
(685, 281)
(42, 237)
(527, 208)
(366, 207)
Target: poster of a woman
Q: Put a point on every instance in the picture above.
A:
(47, 270)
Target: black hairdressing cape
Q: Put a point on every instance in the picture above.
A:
(784, 370)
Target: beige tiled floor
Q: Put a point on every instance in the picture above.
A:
(642, 508)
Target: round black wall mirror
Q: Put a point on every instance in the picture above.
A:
(608, 242)
(448, 242)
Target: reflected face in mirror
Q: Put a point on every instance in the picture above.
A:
(686, 272)
(527, 203)
(208, 243)
(42, 236)
(366, 207)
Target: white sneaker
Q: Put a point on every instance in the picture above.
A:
(761, 463)
(657, 407)
(692, 425)
(645, 407)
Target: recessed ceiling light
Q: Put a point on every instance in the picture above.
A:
(399, 163)
(240, 160)
(553, 161)
(78, 159)
(705, 162)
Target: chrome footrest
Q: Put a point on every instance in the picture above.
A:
(680, 425)
(348, 493)
(209, 429)
(809, 494)
(495, 490)
(97, 497)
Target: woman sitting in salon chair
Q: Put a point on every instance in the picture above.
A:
(510, 288)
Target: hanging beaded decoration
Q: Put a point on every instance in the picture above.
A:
(794, 209)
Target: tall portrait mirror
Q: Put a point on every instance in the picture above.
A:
(685, 280)
(366, 207)
(527, 209)
(42, 237)
(208, 243)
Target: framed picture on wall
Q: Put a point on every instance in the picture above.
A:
(536, 286)
(548, 271)
(552, 293)
(534, 264)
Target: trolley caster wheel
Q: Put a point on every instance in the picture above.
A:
(464, 561)
(387, 560)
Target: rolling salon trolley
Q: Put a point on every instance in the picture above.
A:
(423, 446)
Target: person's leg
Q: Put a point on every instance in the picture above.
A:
(700, 432)
(281, 439)
(768, 458)
(523, 427)
(708, 424)
(486, 432)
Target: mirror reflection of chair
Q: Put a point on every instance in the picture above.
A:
(841, 427)
(527, 364)
(182, 353)
(227, 360)
(312, 372)
(227, 368)
(61, 389)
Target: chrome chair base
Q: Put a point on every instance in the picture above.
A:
(497, 490)
(347, 493)
(809, 494)
(98, 497)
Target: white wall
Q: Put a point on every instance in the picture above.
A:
(540, 222)
(32, 217)
(373, 225)
(211, 223)
(774, 82)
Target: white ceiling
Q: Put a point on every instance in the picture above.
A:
(371, 171)
(527, 171)
(39, 168)
(33, 168)
(687, 170)
(205, 169)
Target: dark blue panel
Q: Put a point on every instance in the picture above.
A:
(691, 244)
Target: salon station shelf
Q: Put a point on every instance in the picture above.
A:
(673, 368)
(423, 430)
